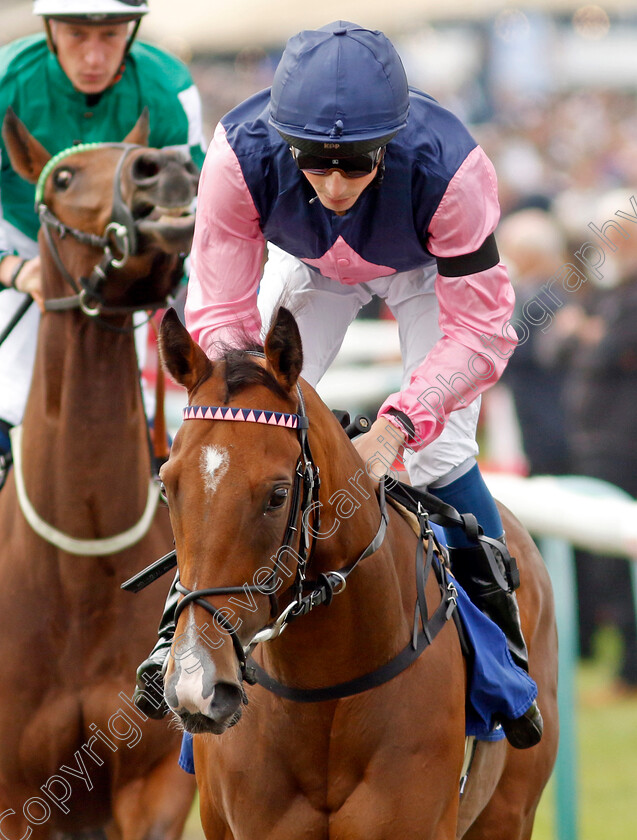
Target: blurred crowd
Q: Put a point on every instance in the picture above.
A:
(568, 181)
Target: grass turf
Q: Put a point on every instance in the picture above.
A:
(607, 753)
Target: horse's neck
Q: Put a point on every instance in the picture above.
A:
(371, 618)
(84, 421)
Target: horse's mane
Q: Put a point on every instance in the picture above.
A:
(241, 370)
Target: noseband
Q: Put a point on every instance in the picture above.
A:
(118, 242)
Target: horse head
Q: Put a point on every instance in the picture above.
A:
(234, 497)
(117, 218)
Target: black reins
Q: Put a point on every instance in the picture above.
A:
(425, 629)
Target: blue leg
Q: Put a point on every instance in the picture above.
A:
(5, 451)
(470, 494)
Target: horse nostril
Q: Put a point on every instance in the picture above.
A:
(225, 702)
(145, 168)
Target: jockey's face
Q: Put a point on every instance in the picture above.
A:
(90, 55)
(336, 192)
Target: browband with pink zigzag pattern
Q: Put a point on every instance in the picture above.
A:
(246, 415)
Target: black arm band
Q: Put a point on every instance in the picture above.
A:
(485, 257)
(404, 421)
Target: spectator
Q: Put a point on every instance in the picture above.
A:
(535, 249)
(602, 405)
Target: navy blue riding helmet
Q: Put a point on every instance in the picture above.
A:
(338, 92)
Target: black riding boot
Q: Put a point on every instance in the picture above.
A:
(471, 568)
(149, 689)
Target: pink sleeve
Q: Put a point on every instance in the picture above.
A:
(472, 352)
(227, 253)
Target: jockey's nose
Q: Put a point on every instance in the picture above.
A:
(336, 184)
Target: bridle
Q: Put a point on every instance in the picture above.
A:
(118, 243)
(304, 505)
(306, 594)
(304, 491)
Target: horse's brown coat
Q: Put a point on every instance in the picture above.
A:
(376, 766)
(71, 637)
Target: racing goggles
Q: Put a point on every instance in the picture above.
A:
(356, 166)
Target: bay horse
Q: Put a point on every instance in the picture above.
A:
(310, 737)
(80, 511)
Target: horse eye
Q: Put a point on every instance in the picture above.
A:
(278, 498)
(62, 179)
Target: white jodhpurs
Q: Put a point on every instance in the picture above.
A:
(324, 309)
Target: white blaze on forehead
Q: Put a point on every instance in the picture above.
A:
(214, 464)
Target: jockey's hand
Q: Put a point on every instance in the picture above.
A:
(29, 281)
(379, 448)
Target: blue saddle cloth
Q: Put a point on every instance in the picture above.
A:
(186, 757)
(497, 687)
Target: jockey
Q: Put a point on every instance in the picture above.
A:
(360, 186)
(83, 80)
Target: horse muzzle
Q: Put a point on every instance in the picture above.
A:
(171, 232)
(224, 708)
(203, 699)
(163, 187)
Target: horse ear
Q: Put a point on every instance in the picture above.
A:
(183, 358)
(283, 349)
(138, 135)
(28, 156)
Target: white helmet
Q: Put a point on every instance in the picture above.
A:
(91, 11)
